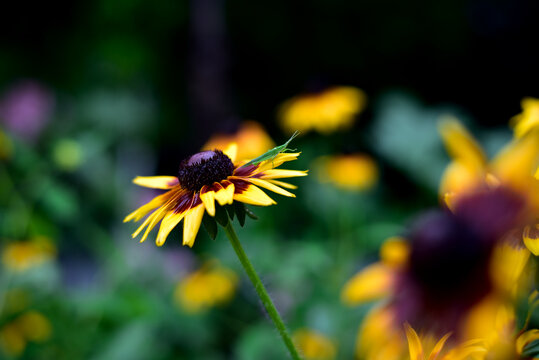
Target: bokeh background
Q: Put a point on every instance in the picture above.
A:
(94, 93)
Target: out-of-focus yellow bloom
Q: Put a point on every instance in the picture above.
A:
(418, 347)
(376, 281)
(23, 255)
(209, 286)
(30, 326)
(514, 166)
(6, 147)
(330, 110)
(528, 119)
(350, 172)
(251, 138)
(314, 346)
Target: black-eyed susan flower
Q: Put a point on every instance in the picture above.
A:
(528, 119)
(314, 345)
(354, 172)
(251, 139)
(459, 273)
(203, 179)
(209, 286)
(327, 111)
(31, 326)
(514, 167)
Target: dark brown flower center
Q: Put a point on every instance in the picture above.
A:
(204, 168)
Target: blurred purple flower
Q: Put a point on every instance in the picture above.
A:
(26, 107)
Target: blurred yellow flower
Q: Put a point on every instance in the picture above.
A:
(314, 346)
(209, 286)
(528, 119)
(332, 109)
(251, 138)
(355, 172)
(6, 147)
(23, 255)
(29, 326)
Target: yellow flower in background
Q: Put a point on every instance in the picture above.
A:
(209, 286)
(528, 119)
(355, 172)
(6, 147)
(251, 138)
(314, 346)
(24, 255)
(469, 172)
(458, 273)
(203, 178)
(328, 111)
(29, 326)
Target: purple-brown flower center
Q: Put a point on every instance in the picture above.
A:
(204, 168)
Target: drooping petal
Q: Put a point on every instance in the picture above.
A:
(193, 218)
(156, 182)
(283, 184)
(168, 223)
(151, 221)
(145, 209)
(231, 151)
(208, 198)
(372, 283)
(225, 194)
(254, 196)
(269, 186)
(507, 265)
(278, 173)
(531, 238)
(414, 344)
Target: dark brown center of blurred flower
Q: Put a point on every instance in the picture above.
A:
(204, 168)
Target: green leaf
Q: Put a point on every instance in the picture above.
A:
(250, 213)
(240, 212)
(221, 216)
(270, 154)
(531, 350)
(230, 211)
(210, 225)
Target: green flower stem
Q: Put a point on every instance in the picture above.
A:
(261, 290)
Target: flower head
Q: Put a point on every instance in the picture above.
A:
(355, 172)
(24, 255)
(204, 178)
(327, 111)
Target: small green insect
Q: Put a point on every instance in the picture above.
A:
(272, 153)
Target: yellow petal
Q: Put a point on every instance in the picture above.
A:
(193, 218)
(145, 209)
(395, 251)
(414, 344)
(461, 145)
(225, 195)
(459, 177)
(254, 196)
(169, 222)
(531, 238)
(526, 338)
(231, 151)
(152, 220)
(283, 184)
(208, 198)
(278, 173)
(519, 160)
(156, 182)
(507, 264)
(269, 186)
(528, 119)
(438, 347)
(372, 283)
